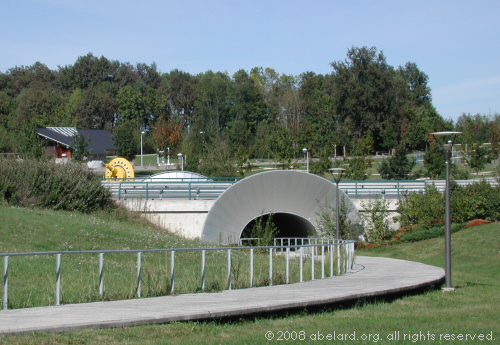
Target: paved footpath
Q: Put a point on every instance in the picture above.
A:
(371, 276)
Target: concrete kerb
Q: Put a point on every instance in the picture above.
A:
(372, 277)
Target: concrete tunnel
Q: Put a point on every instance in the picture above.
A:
(295, 199)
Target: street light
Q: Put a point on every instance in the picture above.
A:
(447, 216)
(306, 152)
(337, 176)
(142, 164)
(179, 155)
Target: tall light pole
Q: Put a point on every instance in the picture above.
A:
(142, 164)
(447, 217)
(306, 152)
(337, 176)
(179, 155)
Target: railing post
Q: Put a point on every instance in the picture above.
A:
(251, 267)
(322, 261)
(119, 190)
(101, 276)
(139, 274)
(301, 278)
(288, 264)
(189, 190)
(172, 271)
(229, 269)
(270, 266)
(203, 270)
(5, 281)
(338, 258)
(312, 262)
(332, 248)
(58, 278)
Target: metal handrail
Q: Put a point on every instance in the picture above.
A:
(329, 247)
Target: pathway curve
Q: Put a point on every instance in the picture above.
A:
(371, 277)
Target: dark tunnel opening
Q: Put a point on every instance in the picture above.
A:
(287, 224)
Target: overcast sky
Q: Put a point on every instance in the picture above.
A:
(456, 43)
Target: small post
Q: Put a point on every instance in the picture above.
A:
(332, 248)
(270, 266)
(312, 262)
(203, 270)
(5, 281)
(229, 269)
(101, 275)
(139, 274)
(251, 267)
(338, 259)
(322, 261)
(58, 278)
(301, 278)
(172, 271)
(288, 264)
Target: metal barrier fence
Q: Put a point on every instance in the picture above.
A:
(195, 189)
(340, 251)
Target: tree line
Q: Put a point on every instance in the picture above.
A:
(220, 121)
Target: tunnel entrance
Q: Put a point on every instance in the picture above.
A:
(287, 224)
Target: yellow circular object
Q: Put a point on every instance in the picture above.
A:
(119, 169)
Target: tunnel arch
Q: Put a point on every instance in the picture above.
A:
(295, 194)
(287, 224)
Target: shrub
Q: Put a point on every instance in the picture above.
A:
(376, 221)
(423, 233)
(421, 208)
(68, 187)
(478, 200)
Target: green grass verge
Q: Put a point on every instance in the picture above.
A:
(32, 278)
(434, 317)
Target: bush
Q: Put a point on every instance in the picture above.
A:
(423, 233)
(478, 200)
(376, 221)
(421, 208)
(39, 183)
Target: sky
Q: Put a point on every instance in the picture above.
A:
(456, 43)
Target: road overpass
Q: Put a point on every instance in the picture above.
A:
(186, 207)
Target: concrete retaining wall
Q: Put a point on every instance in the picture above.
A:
(186, 217)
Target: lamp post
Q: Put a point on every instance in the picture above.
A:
(306, 152)
(142, 164)
(203, 138)
(337, 176)
(179, 155)
(447, 216)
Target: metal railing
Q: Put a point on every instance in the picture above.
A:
(195, 190)
(341, 252)
(210, 190)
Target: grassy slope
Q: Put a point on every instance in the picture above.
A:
(473, 308)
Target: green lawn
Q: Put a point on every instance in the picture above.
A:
(433, 317)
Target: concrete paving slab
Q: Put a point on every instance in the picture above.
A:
(371, 277)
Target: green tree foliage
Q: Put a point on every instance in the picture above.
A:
(479, 158)
(80, 145)
(397, 167)
(125, 140)
(376, 220)
(272, 115)
(327, 221)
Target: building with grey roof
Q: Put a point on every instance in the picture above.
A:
(60, 141)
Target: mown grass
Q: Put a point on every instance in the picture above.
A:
(32, 278)
(432, 317)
